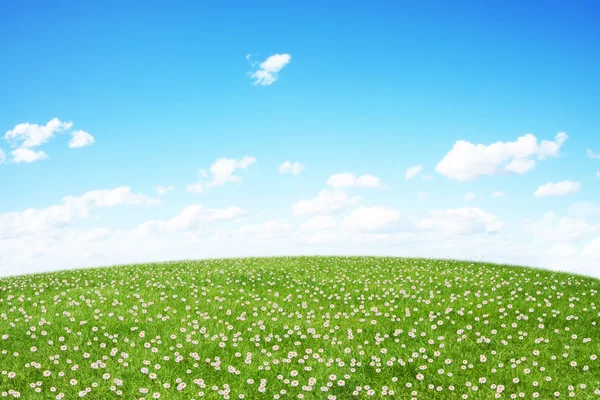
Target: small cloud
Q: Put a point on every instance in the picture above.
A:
(467, 161)
(161, 190)
(248, 56)
(413, 171)
(339, 181)
(422, 195)
(460, 221)
(289, 168)
(191, 218)
(557, 189)
(33, 135)
(2, 156)
(26, 137)
(269, 69)
(469, 196)
(427, 177)
(222, 171)
(497, 194)
(592, 155)
(23, 154)
(80, 139)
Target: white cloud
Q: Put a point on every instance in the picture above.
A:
(467, 161)
(222, 171)
(319, 223)
(497, 194)
(23, 154)
(291, 168)
(422, 195)
(33, 135)
(191, 218)
(326, 202)
(35, 221)
(80, 139)
(114, 197)
(2, 156)
(269, 229)
(460, 221)
(591, 155)
(598, 174)
(413, 171)
(469, 196)
(557, 189)
(427, 177)
(269, 69)
(339, 181)
(26, 137)
(371, 219)
(161, 190)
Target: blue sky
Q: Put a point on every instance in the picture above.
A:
(370, 88)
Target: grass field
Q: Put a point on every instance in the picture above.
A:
(300, 327)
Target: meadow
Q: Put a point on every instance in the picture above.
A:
(300, 328)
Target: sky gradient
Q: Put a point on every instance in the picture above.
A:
(140, 132)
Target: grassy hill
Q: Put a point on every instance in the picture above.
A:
(300, 327)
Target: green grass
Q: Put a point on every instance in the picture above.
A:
(307, 327)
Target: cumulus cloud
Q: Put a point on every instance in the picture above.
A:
(23, 154)
(340, 181)
(35, 221)
(413, 171)
(192, 217)
(557, 189)
(371, 219)
(319, 223)
(460, 221)
(113, 197)
(273, 228)
(593, 156)
(291, 168)
(269, 69)
(222, 171)
(161, 190)
(80, 139)
(326, 202)
(33, 135)
(467, 161)
(26, 137)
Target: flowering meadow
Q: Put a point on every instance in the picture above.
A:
(300, 328)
